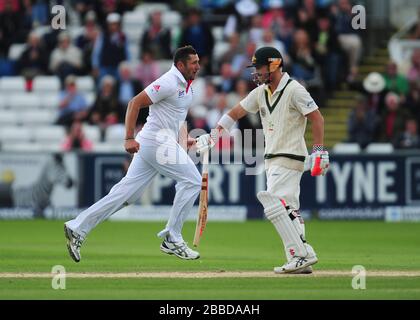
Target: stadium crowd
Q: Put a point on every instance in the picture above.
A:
(319, 46)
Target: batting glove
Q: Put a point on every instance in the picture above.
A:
(206, 141)
(318, 162)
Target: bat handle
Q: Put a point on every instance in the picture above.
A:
(205, 162)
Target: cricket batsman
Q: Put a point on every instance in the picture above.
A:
(284, 105)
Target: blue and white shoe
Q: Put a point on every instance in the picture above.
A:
(180, 249)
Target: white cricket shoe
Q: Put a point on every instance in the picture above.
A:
(296, 264)
(74, 242)
(180, 249)
(307, 270)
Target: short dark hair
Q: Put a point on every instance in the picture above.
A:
(183, 53)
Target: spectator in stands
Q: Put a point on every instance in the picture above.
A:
(127, 87)
(256, 30)
(234, 49)
(328, 51)
(148, 69)
(37, 12)
(374, 90)
(242, 60)
(82, 7)
(393, 119)
(86, 41)
(394, 81)
(240, 20)
(111, 48)
(348, 37)
(415, 30)
(268, 40)
(66, 59)
(412, 101)
(33, 60)
(228, 78)
(307, 18)
(106, 110)
(196, 33)
(156, 39)
(197, 118)
(362, 124)
(72, 105)
(304, 67)
(218, 110)
(241, 91)
(210, 95)
(414, 71)
(410, 138)
(11, 14)
(104, 8)
(251, 120)
(75, 139)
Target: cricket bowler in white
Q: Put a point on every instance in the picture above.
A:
(156, 150)
(284, 106)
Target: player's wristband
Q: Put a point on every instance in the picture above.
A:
(226, 122)
(317, 148)
(129, 139)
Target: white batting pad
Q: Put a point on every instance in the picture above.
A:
(277, 214)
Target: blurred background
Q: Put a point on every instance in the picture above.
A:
(64, 93)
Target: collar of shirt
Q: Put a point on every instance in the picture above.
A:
(175, 71)
(282, 83)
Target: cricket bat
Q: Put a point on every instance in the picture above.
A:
(203, 204)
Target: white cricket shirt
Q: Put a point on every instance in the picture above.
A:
(172, 96)
(283, 117)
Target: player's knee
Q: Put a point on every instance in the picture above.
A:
(273, 207)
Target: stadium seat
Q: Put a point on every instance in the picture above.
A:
(49, 134)
(353, 148)
(49, 101)
(38, 117)
(21, 147)
(217, 33)
(85, 84)
(24, 101)
(15, 134)
(171, 19)
(16, 50)
(115, 133)
(108, 147)
(219, 49)
(46, 84)
(12, 84)
(148, 8)
(8, 117)
(165, 65)
(134, 50)
(379, 148)
(90, 98)
(134, 19)
(92, 133)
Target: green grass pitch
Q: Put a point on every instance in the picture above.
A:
(126, 247)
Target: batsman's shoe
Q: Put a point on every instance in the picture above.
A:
(74, 242)
(307, 270)
(180, 249)
(296, 264)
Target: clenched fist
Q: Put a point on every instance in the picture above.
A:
(131, 146)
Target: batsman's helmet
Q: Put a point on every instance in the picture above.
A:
(268, 56)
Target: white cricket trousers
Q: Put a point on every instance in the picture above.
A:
(167, 158)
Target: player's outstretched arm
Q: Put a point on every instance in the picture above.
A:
(141, 100)
(318, 162)
(226, 122)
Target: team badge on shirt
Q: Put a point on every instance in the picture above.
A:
(156, 87)
(263, 112)
(310, 103)
(181, 93)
